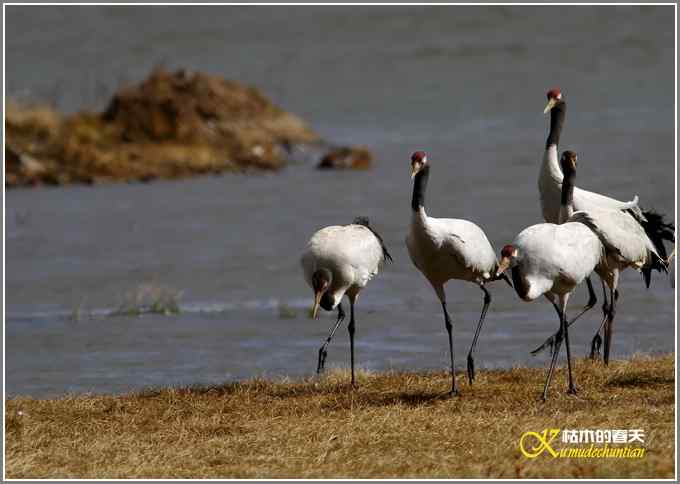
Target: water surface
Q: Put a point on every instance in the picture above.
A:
(465, 84)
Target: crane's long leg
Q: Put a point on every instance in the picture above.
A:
(596, 343)
(470, 359)
(322, 351)
(609, 326)
(449, 329)
(556, 350)
(592, 300)
(565, 329)
(350, 328)
(597, 339)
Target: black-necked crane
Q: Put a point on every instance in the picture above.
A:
(338, 261)
(550, 187)
(551, 260)
(444, 249)
(624, 240)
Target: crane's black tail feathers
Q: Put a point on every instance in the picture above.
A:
(658, 230)
(364, 221)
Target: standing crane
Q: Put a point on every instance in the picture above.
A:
(551, 260)
(550, 186)
(338, 261)
(624, 240)
(443, 249)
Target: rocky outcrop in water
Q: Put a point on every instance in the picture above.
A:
(171, 125)
(346, 158)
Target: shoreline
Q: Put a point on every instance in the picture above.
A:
(396, 424)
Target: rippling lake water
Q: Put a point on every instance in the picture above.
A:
(466, 84)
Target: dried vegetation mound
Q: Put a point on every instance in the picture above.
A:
(172, 125)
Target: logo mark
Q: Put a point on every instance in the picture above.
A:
(541, 443)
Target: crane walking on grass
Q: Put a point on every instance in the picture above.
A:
(445, 249)
(551, 260)
(338, 261)
(625, 245)
(550, 187)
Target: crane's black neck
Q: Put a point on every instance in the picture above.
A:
(326, 301)
(518, 282)
(557, 114)
(567, 199)
(419, 187)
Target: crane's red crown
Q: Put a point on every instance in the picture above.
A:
(418, 157)
(508, 250)
(554, 93)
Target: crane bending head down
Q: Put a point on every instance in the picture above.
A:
(321, 281)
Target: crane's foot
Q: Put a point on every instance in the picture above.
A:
(470, 368)
(595, 346)
(550, 343)
(572, 390)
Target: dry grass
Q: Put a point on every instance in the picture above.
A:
(394, 425)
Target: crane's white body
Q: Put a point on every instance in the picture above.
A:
(444, 249)
(617, 226)
(550, 187)
(625, 242)
(554, 259)
(352, 253)
(551, 260)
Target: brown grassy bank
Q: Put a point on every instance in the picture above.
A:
(171, 125)
(394, 425)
